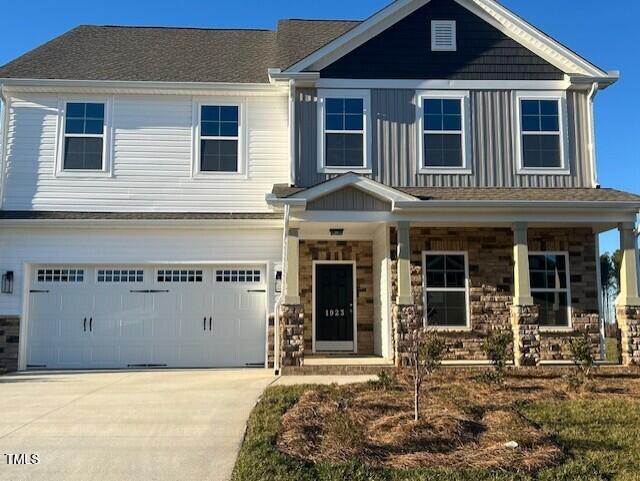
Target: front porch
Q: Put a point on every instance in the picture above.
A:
(361, 273)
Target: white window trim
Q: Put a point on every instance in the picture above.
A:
(365, 95)
(463, 96)
(197, 104)
(569, 326)
(561, 98)
(107, 138)
(454, 46)
(466, 289)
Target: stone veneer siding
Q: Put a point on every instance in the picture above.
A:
(362, 253)
(9, 336)
(490, 256)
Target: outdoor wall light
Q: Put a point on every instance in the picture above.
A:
(336, 232)
(7, 282)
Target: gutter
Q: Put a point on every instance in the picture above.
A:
(548, 204)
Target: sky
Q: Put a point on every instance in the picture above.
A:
(606, 34)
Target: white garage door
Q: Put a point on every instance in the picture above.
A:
(133, 316)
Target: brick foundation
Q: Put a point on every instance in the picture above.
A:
(405, 319)
(526, 335)
(291, 335)
(629, 322)
(9, 336)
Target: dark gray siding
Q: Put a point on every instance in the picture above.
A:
(349, 198)
(403, 51)
(493, 161)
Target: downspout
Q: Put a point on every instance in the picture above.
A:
(592, 134)
(276, 319)
(292, 132)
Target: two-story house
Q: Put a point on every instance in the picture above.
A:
(166, 193)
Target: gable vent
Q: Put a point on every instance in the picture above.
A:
(443, 35)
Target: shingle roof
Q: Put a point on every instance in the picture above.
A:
(174, 54)
(498, 194)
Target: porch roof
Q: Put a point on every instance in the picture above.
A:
(282, 191)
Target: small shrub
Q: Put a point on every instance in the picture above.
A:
(385, 381)
(496, 347)
(582, 354)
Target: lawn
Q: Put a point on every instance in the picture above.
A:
(596, 431)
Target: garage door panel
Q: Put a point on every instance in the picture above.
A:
(175, 317)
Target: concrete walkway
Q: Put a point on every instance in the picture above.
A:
(150, 425)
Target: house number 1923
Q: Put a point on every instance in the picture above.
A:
(334, 312)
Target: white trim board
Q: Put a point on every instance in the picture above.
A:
(338, 345)
(489, 10)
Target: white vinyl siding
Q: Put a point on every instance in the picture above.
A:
(151, 155)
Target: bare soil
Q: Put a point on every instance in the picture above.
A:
(464, 423)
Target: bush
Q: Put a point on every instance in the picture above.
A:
(582, 353)
(496, 347)
(385, 382)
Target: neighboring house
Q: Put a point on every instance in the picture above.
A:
(167, 192)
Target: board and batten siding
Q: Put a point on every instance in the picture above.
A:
(131, 246)
(151, 155)
(493, 160)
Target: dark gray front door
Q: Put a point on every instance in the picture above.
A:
(334, 307)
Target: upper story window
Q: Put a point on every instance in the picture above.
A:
(542, 146)
(219, 138)
(84, 136)
(446, 289)
(344, 134)
(443, 36)
(444, 132)
(549, 277)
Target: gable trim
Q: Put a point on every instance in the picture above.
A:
(499, 17)
(365, 184)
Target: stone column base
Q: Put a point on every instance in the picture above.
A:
(291, 335)
(404, 320)
(526, 335)
(629, 323)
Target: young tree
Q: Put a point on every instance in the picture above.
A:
(496, 347)
(426, 350)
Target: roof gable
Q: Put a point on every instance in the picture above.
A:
(499, 17)
(403, 51)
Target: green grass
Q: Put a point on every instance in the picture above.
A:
(601, 438)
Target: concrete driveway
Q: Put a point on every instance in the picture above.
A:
(151, 425)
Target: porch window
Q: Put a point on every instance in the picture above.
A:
(84, 136)
(446, 289)
(343, 141)
(549, 277)
(219, 137)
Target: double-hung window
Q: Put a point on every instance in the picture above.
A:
(549, 277)
(446, 289)
(84, 137)
(542, 146)
(343, 143)
(219, 138)
(444, 134)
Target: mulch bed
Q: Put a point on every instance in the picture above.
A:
(464, 423)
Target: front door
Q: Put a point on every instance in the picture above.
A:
(334, 307)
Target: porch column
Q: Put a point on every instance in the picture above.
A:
(404, 265)
(628, 302)
(291, 316)
(405, 316)
(292, 278)
(524, 314)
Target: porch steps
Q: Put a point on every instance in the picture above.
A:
(339, 364)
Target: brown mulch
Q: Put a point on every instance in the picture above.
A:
(464, 423)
